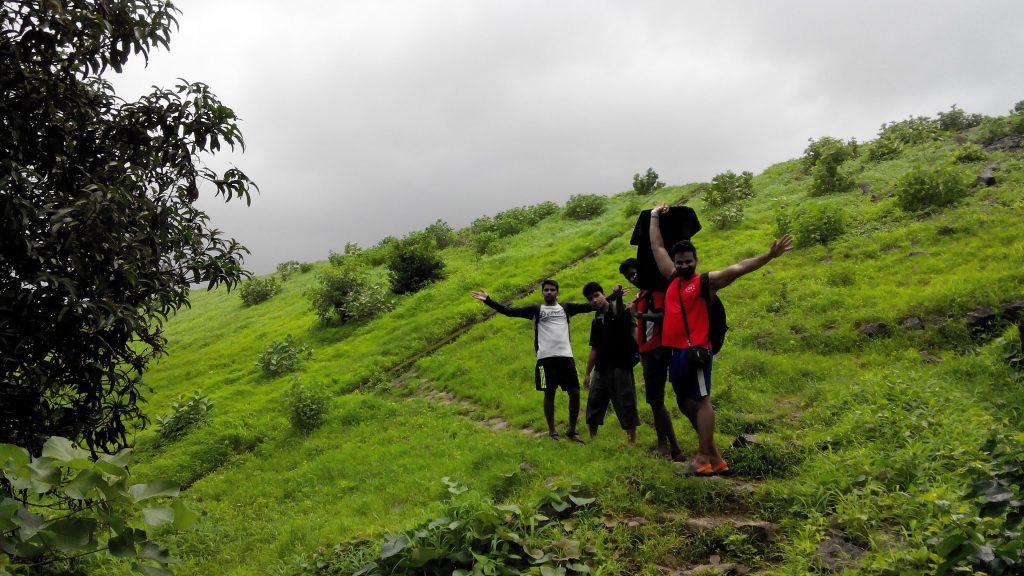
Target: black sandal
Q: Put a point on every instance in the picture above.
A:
(575, 437)
(553, 435)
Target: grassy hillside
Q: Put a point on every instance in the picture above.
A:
(837, 440)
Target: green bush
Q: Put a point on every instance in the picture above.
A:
(993, 129)
(825, 146)
(283, 356)
(818, 224)
(648, 183)
(828, 175)
(441, 234)
(286, 269)
(927, 187)
(486, 243)
(347, 292)
(728, 188)
(305, 267)
(513, 221)
(185, 414)
(382, 252)
(585, 206)
(969, 153)
(307, 408)
(914, 130)
(256, 290)
(413, 265)
(956, 120)
(884, 148)
(727, 216)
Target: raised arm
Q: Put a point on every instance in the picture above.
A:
(661, 255)
(527, 312)
(721, 278)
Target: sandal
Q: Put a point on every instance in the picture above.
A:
(575, 437)
(694, 469)
(721, 468)
(553, 435)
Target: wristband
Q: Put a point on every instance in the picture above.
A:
(655, 215)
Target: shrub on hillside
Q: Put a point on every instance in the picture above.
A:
(969, 153)
(305, 267)
(307, 407)
(256, 290)
(729, 188)
(927, 187)
(829, 175)
(381, 252)
(441, 234)
(185, 415)
(818, 224)
(283, 356)
(585, 206)
(413, 265)
(817, 149)
(648, 183)
(348, 293)
(884, 148)
(996, 128)
(513, 221)
(956, 120)
(913, 130)
(486, 243)
(286, 269)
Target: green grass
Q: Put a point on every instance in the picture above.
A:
(855, 436)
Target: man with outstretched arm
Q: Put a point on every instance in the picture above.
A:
(555, 367)
(685, 329)
(613, 354)
(649, 308)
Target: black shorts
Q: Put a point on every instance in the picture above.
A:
(655, 363)
(556, 372)
(615, 386)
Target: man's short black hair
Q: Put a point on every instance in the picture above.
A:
(549, 282)
(592, 288)
(627, 264)
(684, 246)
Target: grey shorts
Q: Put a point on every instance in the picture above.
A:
(615, 386)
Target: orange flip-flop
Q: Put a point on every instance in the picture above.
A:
(693, 469)
(721, 467)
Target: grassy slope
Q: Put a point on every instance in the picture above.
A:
(857, 435)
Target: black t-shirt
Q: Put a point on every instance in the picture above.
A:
(612, 335)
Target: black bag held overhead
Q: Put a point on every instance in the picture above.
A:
(679, 223)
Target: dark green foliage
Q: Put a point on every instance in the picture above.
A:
(307, 407)
(914, 130)
(286, 269)
(648, 183)
(956, 120)
(441, 234)
(512, 221)
(186, 413)
(810, 225)
(927, 187)
(764, 459)
(969, 153)
(824, 159)
(986, 537)
(486, 243)
(347, 292)
(885, 148)
(382, 252)
(352, 248)
(256, 290)
(1018, 108)
(99, 231)
(476, 536)
(305, 267)
(725, 196)
(994, 129)
(585, 206)
(283, 356)
(414, 264)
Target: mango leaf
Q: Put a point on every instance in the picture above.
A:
(394, 545)
(12, 456)
(66, 452)
(156, 489)
(70, 534)
(82, 485)
(158, 515)
(184, 517)
(152, 570)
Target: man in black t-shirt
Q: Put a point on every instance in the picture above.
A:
(613, 353)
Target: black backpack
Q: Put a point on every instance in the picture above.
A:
(717, 322)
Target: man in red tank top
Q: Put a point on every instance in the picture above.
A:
(685, 330)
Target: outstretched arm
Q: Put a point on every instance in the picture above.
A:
(591, 362)
(527, 312)
(721, 278)
(661, 255)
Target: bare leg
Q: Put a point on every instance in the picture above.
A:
(574, 410)
(631, 434)
(703, 420)
(666, 434)
(549, 412)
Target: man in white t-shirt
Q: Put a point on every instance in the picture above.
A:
(555, 367)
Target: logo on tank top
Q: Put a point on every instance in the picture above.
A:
(690, 288)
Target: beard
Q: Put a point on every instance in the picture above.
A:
(687, 273)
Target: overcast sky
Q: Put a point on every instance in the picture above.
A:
(376, 117)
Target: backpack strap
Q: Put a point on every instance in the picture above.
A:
(682, 307)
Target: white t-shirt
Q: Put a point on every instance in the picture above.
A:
(553, 332)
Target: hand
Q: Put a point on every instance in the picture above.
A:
(781, 246)
(586, 381)
(659, 209)
(479, 295)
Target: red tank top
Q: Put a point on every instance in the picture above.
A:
(648, 332)
(673, 330)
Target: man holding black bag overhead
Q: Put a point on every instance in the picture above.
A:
(685, 329)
